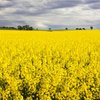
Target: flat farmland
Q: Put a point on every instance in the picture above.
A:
(50, 65)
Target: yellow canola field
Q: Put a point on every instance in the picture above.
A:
(50, 65)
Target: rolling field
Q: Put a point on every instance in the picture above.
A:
(45, 65)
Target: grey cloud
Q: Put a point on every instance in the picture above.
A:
(11, 23)
(23, 11)
(91, 1)
(5, 4)
(28, 8)
(62, 4)
(95, 6)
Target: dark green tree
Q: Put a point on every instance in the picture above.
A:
(91, 27)
(66, 28)
(19, 27)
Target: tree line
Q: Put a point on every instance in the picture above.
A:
(27, 27)
(91, 27)
(19, 27)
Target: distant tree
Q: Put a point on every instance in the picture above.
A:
(50, 29)
(66, 28)
(12, 28)
(31, 28)
(83, 28)
(25, 27)
(80, 28)
(8, 28)
(91, 27)
(77, 28)
(2, 27)
(19, 27)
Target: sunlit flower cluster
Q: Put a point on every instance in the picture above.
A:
(45, 65)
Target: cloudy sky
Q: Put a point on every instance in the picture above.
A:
(56, 14)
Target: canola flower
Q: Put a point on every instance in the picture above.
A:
(43, 65)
